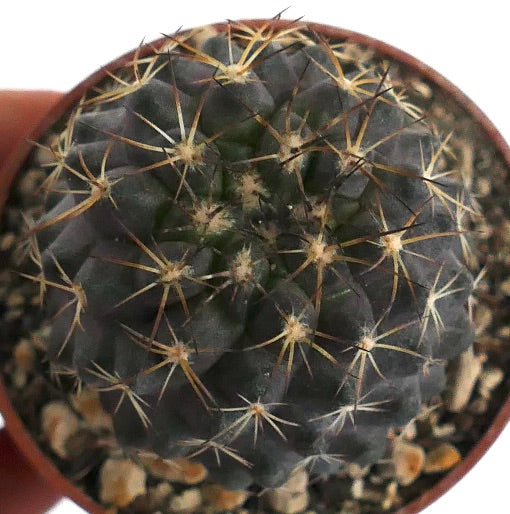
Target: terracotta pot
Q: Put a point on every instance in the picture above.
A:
(30, 482)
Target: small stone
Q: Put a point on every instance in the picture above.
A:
(219, 499)
(180, 470)
(391, 497)
(189, 500)
(357, 488)
(288, 503)
(6, 241)
(24, 355)
(490, 378)
(121, 481)
(24, 358)
(408, 460)
(443, 431)
(465, 372)
(410, 431)
(482, 318)
(504, 231)
(442, 458)
(422, 88)
(355, 471)
(298, 482)
(88, 405)
(503, 332)
(504, 287)
(161, 491)
(58, 423)
(154, 500)
(484, 187)
(292, 497)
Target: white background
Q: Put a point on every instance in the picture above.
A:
(55, 44)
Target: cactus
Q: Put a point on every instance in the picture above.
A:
(253, 248)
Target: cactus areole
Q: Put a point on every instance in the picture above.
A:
(253, 246)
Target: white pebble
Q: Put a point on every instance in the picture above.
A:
(58, 423)
(490, 378)
(467, 369)
(121, 481)
(408, 460)
(188, 501)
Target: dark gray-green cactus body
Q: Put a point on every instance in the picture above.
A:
(247, 252)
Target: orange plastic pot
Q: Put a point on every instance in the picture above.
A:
(29, 481)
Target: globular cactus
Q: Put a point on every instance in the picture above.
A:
(253, 247)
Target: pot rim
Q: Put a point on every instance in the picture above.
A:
(15, 427)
